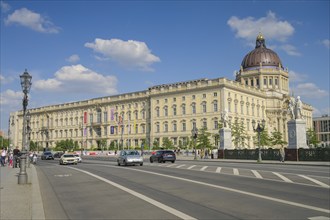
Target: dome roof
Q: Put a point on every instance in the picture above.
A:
(261, 56)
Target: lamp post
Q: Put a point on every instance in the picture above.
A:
(194, 133)
(259, 129)
(28, 133)
(26, 85)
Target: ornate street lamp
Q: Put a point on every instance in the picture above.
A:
(259, 129)
(194, 133)
(26, 85)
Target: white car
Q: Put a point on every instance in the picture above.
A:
(129, 157)
(78, 158)
(68, 159)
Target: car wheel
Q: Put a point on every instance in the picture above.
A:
(141, 164)
(151, 161)
(173, 161)
(118, 163)
(125, 164)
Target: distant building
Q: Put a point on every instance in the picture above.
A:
(321, 127)
(260, 91)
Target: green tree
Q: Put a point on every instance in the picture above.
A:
(203, 139)
(238, 134)
(264, 139)
(167, 143)
(4, 142)
(276, 139)
(103, 144)
(312, 137)
(155, 144)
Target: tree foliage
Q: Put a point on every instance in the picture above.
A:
(167, 143)
(238, 134)
(276, 139)
(312, 138)
(203, 139)
(65, 145)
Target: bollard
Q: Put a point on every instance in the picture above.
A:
(22, 176)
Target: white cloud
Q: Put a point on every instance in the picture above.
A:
(4, 7)
(10, 98)
(31, 20)
(270, 26)
(73, 58)
(326, 43)
(5, 80)
(291, 50)
(80, 80)
(310, 90)
(127, 53)
(297, 77)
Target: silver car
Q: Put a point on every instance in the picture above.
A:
(129, 157)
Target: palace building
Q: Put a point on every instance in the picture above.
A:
(260, 91)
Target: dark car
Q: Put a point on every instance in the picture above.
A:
(163, 156)
(47, 155)
(58, 154)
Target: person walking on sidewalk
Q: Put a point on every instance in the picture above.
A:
(16, 153)
(10, 159)
(3, 157)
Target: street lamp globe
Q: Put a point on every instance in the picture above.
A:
(26, 79)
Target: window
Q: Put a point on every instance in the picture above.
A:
(193, 108)
(183, 109)
(183, 98)
(157, 112)
(215, 94)
(174, 127)
(90, 118)
(204, 96)
(157, 128)
(165, 111)
(174, 110)
(265, 81)
(174, 99)
(143, 129)
(215, 106)
(257, 82)
(105, 116)
(105, 130)
(270, 82)
(184, 126)
(165, 100)
(193, 97)
(276, 81)
(246, 82)
(205, 124)
(194, 124)
(136, 129)
(216, 124)
(136, 115)
(99, 116)
(204, 107)
(157, 101)
(165, 127)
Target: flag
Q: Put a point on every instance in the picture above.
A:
(85, 117)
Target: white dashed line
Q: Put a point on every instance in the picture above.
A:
(218, 170)
(315, 181)
(182, 165)
(283, 177)
(191, 167)
(203, 168)
(256, 174)
(235, 171)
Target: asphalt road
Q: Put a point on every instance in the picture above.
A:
(184, 190)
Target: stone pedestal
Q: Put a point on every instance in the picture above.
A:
(297, 134)
(225, 139)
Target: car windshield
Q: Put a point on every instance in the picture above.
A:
(47, 153)
(68, 155)
(133, 153)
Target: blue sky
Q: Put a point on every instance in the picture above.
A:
(77, 50)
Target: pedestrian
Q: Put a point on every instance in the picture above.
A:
(16, 154)
(3, 157)
(11, 157)
(282, 154)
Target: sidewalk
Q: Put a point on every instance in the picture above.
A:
(20, 202)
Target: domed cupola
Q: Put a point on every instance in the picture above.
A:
(261, 56)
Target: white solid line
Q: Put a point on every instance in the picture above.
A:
(203, 168)
(182, 165)
(232, 190)
(283, 177)
(235, 171)
(315, 181)
(139, 195)
(191, 167)
(319, 218)
(256, 174)
(218, 170)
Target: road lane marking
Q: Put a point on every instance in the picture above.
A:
(283, 177)
(256, 174)
(182, 165)
(230, 189)
(191, 167)
(203, 168)
(319, 218)
(315, 181)
(235, 171)
(218, 170)
(141, 196)
(171, 165)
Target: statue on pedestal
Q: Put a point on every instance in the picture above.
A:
(295, 108)
(225, 119)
